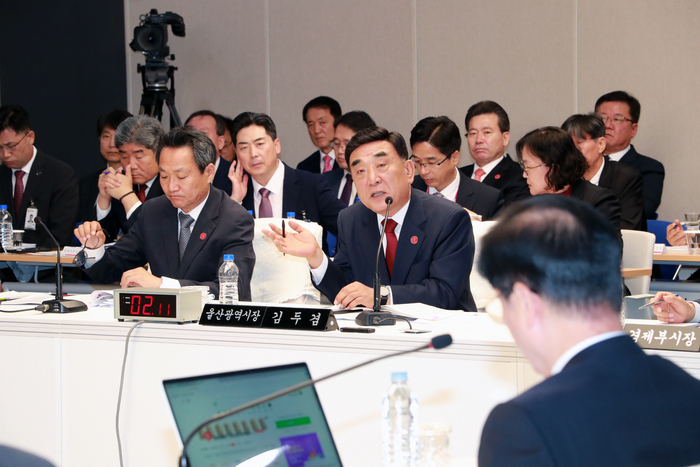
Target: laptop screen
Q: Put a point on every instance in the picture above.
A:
(288, 431)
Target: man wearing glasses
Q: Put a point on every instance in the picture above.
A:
(435, 143)
(620, 113)
(34, 184)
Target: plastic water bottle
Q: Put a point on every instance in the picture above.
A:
(228, 281)
(399, 424)
(6, 228)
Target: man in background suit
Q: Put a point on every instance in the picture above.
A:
(319, 115)
(214, 127)
(184, 234)
(340, 181)
(107, 125)
(620, 113)
(435, 143)
(123, 191)
(429, 245)
(34, 184)
(555, 263)
(488, 134)
(269, 187)
(588, 133)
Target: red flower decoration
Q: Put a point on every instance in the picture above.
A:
(203, 236)
(414, 239)
(497, 176)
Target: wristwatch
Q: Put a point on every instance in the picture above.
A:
(384, 294)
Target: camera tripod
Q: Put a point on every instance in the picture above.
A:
(155, 77)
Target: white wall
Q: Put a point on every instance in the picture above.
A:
(402, 60)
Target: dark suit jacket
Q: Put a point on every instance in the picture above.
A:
(507, 176)
(333, 178)
(600, 198)
(89, 191)
(221, 180)
(313, 163)
(11, 457)
(223, 227)
(626, 184)
(305, 192)
(653, 175)
(53, 187)
(116, 219)
(610, 406)
(477, 197)
(433, 257)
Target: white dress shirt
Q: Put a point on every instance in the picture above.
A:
(487, 168)
(616, 156)
(596, 178)
(276, 187)
(102, 213)
(353, 190)
(27, 168)
(450, 191)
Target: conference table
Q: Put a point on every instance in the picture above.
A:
(686, 259)
(61, 378)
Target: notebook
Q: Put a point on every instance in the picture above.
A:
(288, 431)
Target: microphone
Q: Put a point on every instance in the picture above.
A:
(376, 317)
(437, 343)
(58, 304)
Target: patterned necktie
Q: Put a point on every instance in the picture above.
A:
(142, 193)
(19, 191)
(438, 194)
(390, 244)
(327, 165)
(478, 174)
(347, 189)
(185, 222)
(265, 209)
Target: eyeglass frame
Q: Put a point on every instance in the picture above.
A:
(527, 169)
(80, 258)
(429, 164)
(617, 119)
(10, 147)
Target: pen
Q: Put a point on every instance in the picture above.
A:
(654, 303)
(284, 235)
(3, 299)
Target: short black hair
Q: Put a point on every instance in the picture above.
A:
(15, 118)
(111, 119)
(622, 96)
(220, 125)
(441, 132)
(323, 102)
(246, 119)
(585, 126)
(202, 146)
(555, 148)
(356, 120)
(377, 133)
(562, 249)
(488, 107)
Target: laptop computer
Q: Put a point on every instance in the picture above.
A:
(288, 431)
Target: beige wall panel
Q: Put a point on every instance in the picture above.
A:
(360, 53)
(519, 54)
(222, 61)
(649, 49)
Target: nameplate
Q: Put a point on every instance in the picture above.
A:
(659, 248)
(268, 317)
(660, 337)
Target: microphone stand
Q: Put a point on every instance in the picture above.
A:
(376, 317)
(438, 342)
(58, 304)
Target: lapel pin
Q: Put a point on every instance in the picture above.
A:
(414, 239)
(202, 236)
(497, 176)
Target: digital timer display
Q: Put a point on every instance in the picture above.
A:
(147, 305)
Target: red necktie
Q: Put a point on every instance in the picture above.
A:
(327, 165)
(265, 209)
(19, 191)
(142, 193)
(478, 174)
(390, 244)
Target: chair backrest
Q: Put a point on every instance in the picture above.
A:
(481, 289)
(638, 252)
(658, 228)
(278, 278)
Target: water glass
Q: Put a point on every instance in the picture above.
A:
(434, 444)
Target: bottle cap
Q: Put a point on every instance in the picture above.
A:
(250, 212)
(291, 215)
(3, 206)
(228, 257)
(399, 377)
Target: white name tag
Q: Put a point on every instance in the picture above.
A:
(29, 223)
(659, 249)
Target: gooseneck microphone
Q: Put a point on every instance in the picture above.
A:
(58, 304)
(376, 317)
(437, 343)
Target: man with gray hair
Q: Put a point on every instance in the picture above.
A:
(183, 235)
(123, 191)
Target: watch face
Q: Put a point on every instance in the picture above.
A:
(149, 305)
(384, 291)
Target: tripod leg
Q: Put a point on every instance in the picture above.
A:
(174, 116)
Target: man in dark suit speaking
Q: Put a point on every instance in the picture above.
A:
(555, 262)
(184, 234)
(429, 245)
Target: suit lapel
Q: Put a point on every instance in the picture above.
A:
(36, 175)
(202, 231)
(606, 174)
(290, 198)
(156, 190)
(6, 184)
(169, 233)
(410, 241)
(249, 201)
(370, 232)
(498, 172)
(465, 193)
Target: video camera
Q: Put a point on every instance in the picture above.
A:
(151, 36)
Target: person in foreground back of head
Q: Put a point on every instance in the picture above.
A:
(555, 263)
